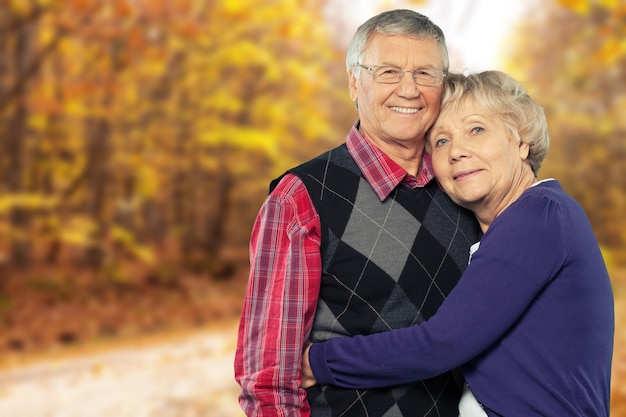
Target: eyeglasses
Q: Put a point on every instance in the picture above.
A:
(390, 74)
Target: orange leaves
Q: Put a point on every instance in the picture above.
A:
(122, 8)
(136, 107)
(611, 52)
(582, 7)
(576, 72)
(579, 6)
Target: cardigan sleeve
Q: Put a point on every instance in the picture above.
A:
(520, 253)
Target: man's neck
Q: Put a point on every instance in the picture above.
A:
(407, 153)
(409, 158)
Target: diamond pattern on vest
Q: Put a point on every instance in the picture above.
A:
(384, 268)
(394, 229)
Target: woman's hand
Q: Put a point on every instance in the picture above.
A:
(308, 379)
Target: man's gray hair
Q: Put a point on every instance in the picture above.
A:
(394, 22)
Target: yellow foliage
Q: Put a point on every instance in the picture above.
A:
(127, 240)
(579, 6)
(29, 201)
(148, 180)
(47, 34)
(585, 6)
(19, 7)
(173, 91)
(44, 3)
(582, 90)
(242, 137)
(611, 52)
(78, 231)
(75, 107)
(235, 7)
(611, 4)
(242, 54)
(38, 121)
(144, 254)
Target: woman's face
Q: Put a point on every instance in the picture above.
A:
(477, 161)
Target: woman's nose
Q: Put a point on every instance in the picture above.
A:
(457, 150)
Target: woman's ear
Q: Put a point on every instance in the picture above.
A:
(524, 150)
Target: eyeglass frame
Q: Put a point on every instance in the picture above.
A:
(401, 74)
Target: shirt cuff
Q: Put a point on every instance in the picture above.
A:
(317, 359)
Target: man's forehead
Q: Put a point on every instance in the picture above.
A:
(393, 48)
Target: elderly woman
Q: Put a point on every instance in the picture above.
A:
(531, 322)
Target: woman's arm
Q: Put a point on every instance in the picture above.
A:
(308, 379)
(504, 277)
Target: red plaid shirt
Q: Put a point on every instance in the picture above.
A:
(284, 283)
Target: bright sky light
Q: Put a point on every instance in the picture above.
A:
(475, 30)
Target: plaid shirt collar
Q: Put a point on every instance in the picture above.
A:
(380, 171)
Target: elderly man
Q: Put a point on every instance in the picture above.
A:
(359, 240)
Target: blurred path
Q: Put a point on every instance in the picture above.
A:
(191, 377)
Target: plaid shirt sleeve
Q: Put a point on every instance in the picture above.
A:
(280, 302)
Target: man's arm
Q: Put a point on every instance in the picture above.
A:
(280, 302)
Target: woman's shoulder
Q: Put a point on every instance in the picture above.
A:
(539, 208)
(549, 194)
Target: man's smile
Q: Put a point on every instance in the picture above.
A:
(405, 110)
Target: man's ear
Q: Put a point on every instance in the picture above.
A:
(352, 87)
(427, 146)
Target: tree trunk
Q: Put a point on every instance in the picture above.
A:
(216, 224)
(98, 156)
(15, 137)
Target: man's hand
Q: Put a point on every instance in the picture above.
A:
(308, 379)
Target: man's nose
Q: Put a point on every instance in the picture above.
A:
(408, 86)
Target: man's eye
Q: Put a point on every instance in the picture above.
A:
(390, 71)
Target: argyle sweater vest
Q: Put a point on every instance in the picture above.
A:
(386, 265)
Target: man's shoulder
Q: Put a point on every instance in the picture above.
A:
(336, 156)
(324, 157)
(286, 184)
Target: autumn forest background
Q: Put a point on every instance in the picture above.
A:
(138, 138)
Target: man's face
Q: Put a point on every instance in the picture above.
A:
(400, 112)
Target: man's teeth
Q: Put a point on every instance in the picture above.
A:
(404, 110)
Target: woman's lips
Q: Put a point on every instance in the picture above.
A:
(465, 174)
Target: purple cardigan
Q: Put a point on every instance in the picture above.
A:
(531, 322)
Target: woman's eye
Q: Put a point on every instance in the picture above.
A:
(440, 142)
(477, 129)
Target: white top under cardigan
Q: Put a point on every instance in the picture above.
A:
(469, 405)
